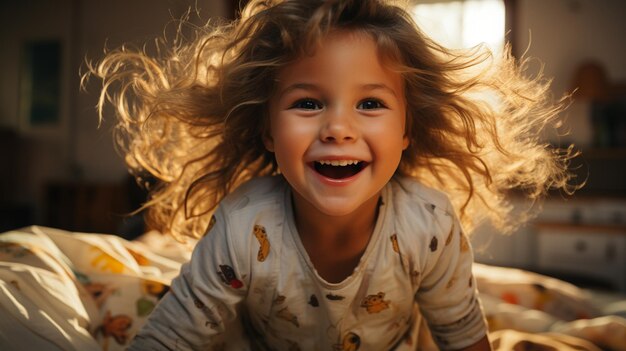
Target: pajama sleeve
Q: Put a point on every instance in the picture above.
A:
(447, 296)
(201, 309)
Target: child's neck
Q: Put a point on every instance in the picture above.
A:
(335, 244)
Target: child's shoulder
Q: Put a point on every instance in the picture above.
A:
(409, 192)
(422, 216)
(258, 191)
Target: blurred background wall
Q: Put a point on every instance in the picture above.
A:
(54, 171)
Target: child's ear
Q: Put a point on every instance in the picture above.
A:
(405, 142)
(266, 135)
(268, 141)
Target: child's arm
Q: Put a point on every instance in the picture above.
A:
(200, 309)
(447, 297)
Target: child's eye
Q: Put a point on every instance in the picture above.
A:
(307, 104)
(370, 104)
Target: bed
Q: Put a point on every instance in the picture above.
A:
(63, 290)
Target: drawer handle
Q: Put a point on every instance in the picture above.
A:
(580, 246)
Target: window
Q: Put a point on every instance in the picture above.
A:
(463, 23)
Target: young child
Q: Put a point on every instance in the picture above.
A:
(313, 141)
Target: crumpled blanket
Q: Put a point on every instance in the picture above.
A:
(61, 290)
(529, 311)
(74, 291)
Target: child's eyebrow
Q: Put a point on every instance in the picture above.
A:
(379, 86)
(296, 86)
(364, 87)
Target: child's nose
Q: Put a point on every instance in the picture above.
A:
(339, 126)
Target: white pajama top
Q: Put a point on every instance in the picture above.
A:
(251, 285)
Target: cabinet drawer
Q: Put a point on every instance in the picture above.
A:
(576, 248)
(585, 253)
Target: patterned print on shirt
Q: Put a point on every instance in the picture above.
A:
(433, 244)
(198, 303)
(394, 243)
(332, 297)
(264, 248)
(375, 303)
(207, 311)
(451, 283)
(350, 342)
(211, 325)
(227, 274)
(396, 248)
(313, 301)
(285, 314)
(211, 224)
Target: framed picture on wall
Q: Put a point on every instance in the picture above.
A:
(40, 85)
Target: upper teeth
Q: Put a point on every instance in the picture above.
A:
(338, 162)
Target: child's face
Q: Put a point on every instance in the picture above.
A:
(337, 107)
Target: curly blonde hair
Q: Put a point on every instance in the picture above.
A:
(194, 115)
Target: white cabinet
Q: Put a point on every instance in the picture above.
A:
(581, 238)
(583, 250)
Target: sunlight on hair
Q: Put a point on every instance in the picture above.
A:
(463, 24)
(194, 116)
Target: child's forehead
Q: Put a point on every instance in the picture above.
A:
(340, 57)
(336, 48)
(335, 44)
(343, 37)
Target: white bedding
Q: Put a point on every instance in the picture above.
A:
(74, 291)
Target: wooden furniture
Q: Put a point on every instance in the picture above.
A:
(597, 251)
(87, 207)
(581, 239)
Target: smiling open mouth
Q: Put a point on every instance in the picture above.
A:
(339, 169)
